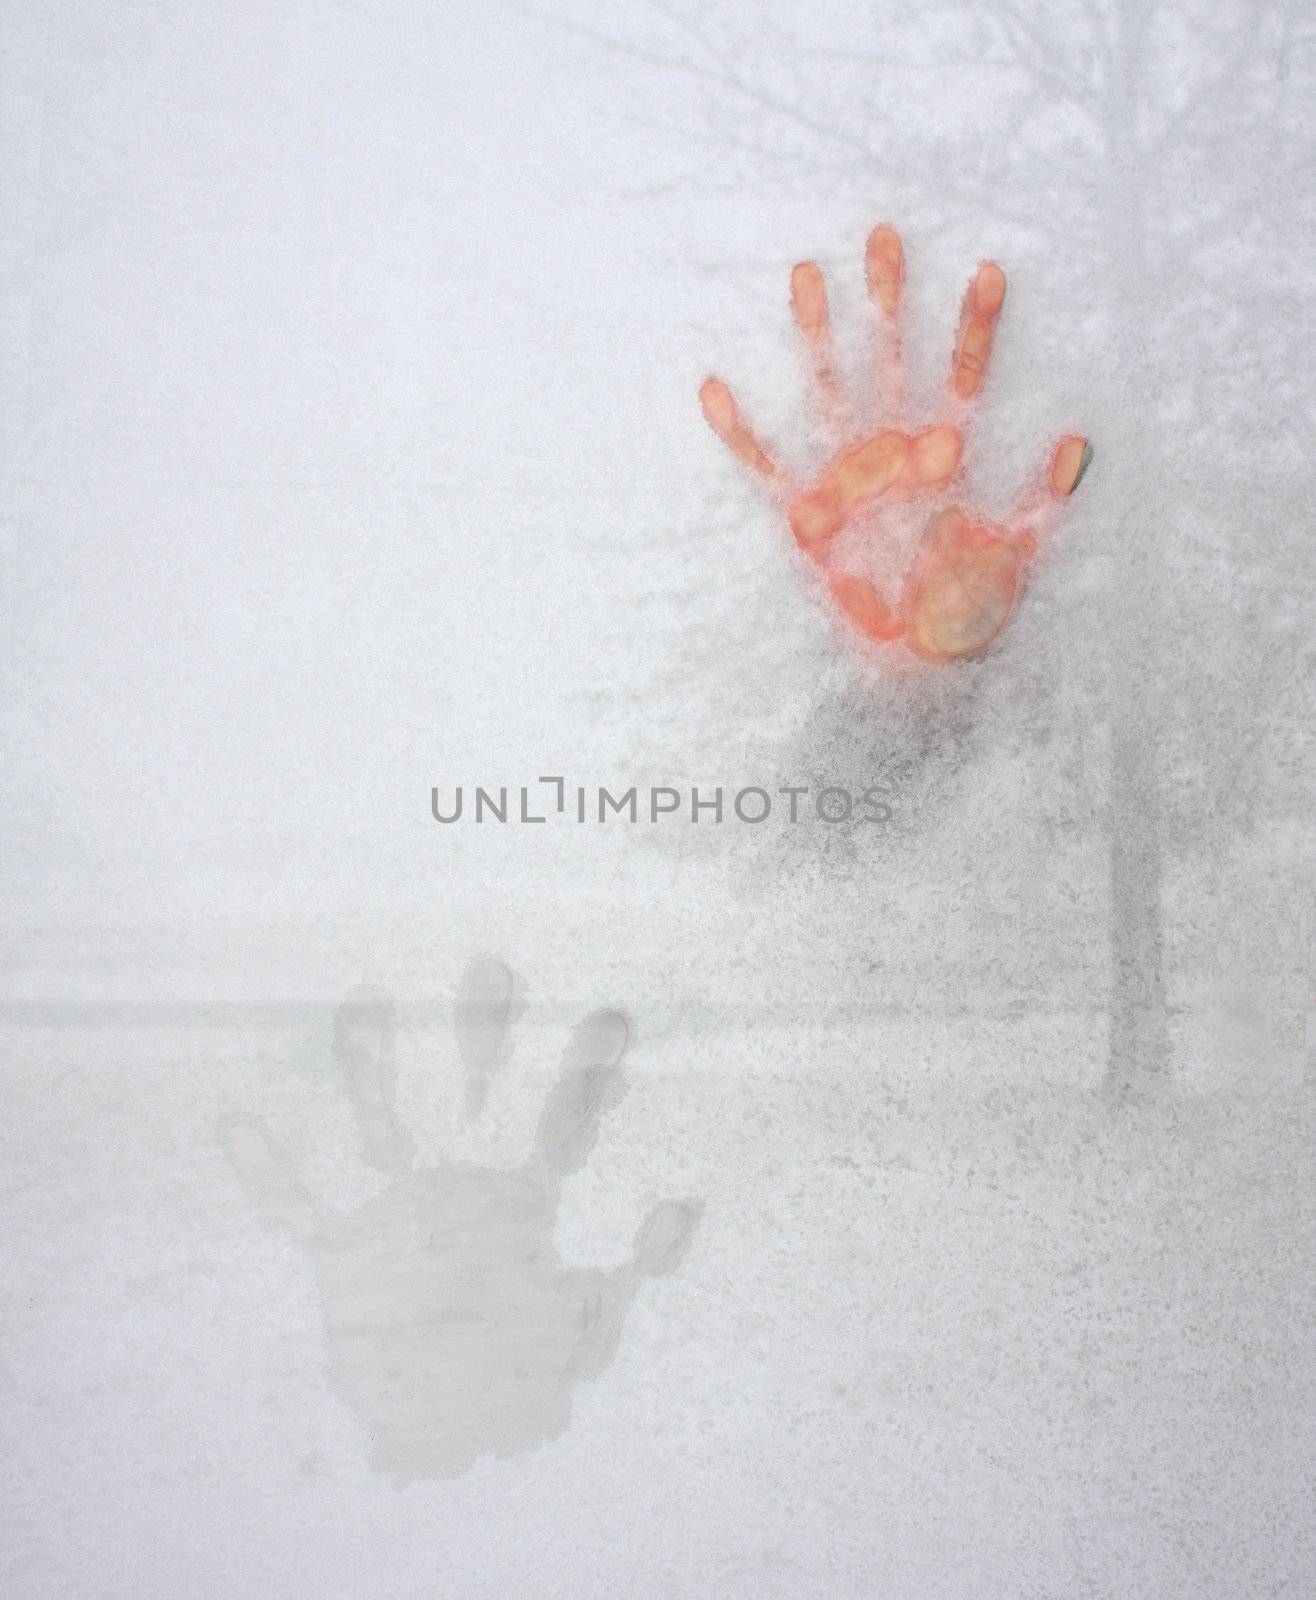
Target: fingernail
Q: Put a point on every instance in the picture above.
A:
(1065, 470)
(1083, 465)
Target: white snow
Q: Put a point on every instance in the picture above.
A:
(349, 447)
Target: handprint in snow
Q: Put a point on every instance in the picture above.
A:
(454, 1327)
(946, 584)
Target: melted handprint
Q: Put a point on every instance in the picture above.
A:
(454, 1327)
(944, 580)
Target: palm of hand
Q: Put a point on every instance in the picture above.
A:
(960, 588)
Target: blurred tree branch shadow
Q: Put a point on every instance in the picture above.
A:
(1155, 154)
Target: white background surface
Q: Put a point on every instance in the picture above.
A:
(349, 446)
